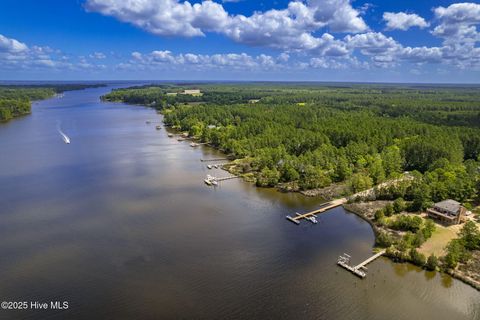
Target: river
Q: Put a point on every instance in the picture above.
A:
(121, 226)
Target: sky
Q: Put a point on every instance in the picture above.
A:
(311, 40)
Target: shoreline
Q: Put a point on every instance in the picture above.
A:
(453, 273)
(376, 231)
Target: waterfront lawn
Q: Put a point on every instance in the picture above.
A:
(439, 240)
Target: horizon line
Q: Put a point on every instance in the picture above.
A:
(246, 81)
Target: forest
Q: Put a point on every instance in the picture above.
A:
(15, 100)
(312, 135)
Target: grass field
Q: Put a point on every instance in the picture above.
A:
(439, 240)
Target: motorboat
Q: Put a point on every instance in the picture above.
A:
(312, 219)
(65, 138)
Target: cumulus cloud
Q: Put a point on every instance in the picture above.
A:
(289, 28)
(303, 27)
(338, 15)
(387, 52)
(165, 59)
(11, 45)
(403, 21)
(16, 55)
(165, 17)
(458, 23)
(421, 54)
(306, 34)
(459, 13)
(381, 49)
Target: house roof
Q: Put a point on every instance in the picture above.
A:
(449, 205)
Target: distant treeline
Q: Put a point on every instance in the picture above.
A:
(314, 136)
(448, 105)
(15, 100)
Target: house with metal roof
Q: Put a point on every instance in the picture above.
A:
(448, 211)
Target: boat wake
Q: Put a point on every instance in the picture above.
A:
(65, 138)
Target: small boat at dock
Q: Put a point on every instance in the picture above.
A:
(158, 127)
(147, 122)
(170, 135)
(312, 219)
(193, 144)
(211, 181)
(209, 166)
(181, 139)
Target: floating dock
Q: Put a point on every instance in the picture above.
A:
(210, 180)
(360, 269)
(312, 214)
(293, 220)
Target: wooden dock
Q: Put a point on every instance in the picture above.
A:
(360, 269)
(327, 206)
(226, 178)
(216, 159)
(213, 181)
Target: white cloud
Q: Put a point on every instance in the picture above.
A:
(291, 28)
(303, 28)
(338, 15)
(166, 60)
(97, 55)
(16, 55)
(403, 21)
(386, 52)
(323, 63)
(372, 43)
(165, 17)
(459, 13)
(458, 23)
(283, 57)
(422, 54)
(11, 45)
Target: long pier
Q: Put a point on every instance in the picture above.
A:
(311, 215)
(360, 269)
(226, 178)
(216, 159)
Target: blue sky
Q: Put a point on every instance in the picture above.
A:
(317, 40)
